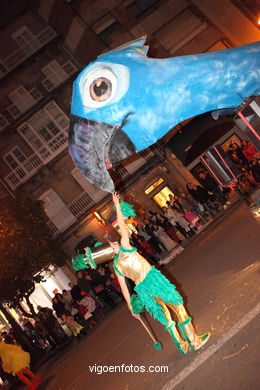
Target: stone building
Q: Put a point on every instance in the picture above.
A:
(44, 44)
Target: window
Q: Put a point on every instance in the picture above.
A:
(14, 158)
(234, 138)
(162, 196)
(46, 131)
(80, 178)
(141, 9)
(57, 210)
(154, 185)
(3, 122)
(3, 69)
(57, 115)
(3, 193)
(22, 99)
(253, 7)
(14, 111)
(105, 35)
(36, 94)
(95, 193)
(55, 75)
(103, 23)
(22, 167)
(31, 137)
(180, 30)
(48, 84)
(26, 40)
(220, 45)
(69, 68)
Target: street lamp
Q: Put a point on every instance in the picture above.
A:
(99, 218)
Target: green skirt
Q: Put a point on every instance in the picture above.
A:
(154, 285)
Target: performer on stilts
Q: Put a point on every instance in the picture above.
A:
(153, 291)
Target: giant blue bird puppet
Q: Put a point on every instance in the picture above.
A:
(124, 101)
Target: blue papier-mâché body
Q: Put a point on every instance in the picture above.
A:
(124, 101)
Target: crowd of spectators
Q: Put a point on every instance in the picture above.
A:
(77, 309)
(74, 311)
(247, 160)
(156, 233)
(186, 212)
(183, 216)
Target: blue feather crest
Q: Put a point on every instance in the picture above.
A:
(133, 48)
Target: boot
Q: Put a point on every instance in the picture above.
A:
(30, 374)
(182, 345)
(195, 341)
(32, 384)
(23, 378)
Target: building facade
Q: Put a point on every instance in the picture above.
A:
(44, 44)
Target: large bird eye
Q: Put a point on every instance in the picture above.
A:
(99, 88)
(103, 83)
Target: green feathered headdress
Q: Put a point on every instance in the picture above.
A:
(127, 209)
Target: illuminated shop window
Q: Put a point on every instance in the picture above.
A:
(154, 185)
(162, 197)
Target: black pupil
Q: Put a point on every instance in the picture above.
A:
(100, 88)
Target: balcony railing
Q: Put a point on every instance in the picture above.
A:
(81, 204)
(118, 173)
(121, 171)
(84, 201)
(18, 56)
(77, 207)
(53, 229)
(147, 154)
(23, 172)
(137, 161)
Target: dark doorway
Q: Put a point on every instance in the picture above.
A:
(88, 241)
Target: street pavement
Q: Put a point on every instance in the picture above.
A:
(217, 274)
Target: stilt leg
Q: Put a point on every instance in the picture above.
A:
(195, 341)
(185, 323)
(181, 344)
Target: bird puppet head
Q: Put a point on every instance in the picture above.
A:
(123, 102)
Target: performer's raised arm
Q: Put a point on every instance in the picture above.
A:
(121, 222)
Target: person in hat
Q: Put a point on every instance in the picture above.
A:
(153, 292)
